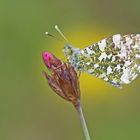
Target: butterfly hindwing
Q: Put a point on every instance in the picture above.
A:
(115, 59)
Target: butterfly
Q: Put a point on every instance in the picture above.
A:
(115, 59)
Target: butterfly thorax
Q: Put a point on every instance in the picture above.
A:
(74, 57)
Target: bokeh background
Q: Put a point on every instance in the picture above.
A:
(29, 110)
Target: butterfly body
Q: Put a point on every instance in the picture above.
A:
(115, 59)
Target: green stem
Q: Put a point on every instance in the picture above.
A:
(82, 120)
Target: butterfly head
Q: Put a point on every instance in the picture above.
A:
(68, 50)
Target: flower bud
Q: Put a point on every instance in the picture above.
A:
(50, 60)
(63, 78)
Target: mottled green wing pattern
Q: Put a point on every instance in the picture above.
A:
(115, 59)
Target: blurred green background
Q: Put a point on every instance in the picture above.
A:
(29, 110)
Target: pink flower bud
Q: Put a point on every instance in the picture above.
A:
(50, 60)
(63, 79)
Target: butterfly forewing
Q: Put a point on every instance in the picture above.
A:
(115, 59)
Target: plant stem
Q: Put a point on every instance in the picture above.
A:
(82, 120)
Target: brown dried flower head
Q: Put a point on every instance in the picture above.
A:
(63, 78)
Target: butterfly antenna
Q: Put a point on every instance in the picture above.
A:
(59, 31)
(48, 34)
